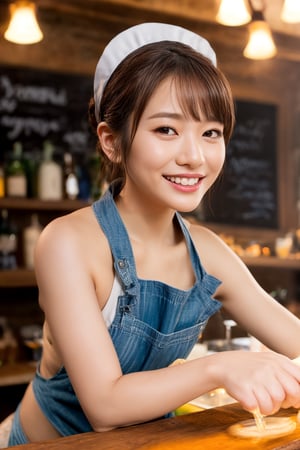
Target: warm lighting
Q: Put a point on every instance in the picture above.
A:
(233, 13)
(23, 27)
(291, 11)
(260, 44)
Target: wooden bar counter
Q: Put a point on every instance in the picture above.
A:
(205, 430)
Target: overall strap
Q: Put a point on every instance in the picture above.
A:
(191, 247)
(111, 223)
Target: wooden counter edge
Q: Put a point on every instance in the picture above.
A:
(206, 425)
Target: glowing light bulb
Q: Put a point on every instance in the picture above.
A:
(23, 27)
(233, 13)
(260, 44)
(291, 11)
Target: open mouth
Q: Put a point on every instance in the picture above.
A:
(183, 181)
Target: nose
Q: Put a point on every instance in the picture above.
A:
(191, 153)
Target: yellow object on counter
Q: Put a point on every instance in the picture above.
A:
(187, 408)
(177, 361)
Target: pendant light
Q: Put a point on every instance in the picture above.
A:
(23, 27)
(233, 13)
(290, 12)
(260, 44)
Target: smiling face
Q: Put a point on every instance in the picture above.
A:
(174, 157)
(203, 93)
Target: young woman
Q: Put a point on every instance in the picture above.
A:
(127, 285)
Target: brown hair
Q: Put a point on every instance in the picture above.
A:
(202, 88)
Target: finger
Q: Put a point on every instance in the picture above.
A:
(269, 400)
(291, 389)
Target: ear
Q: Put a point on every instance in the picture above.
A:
(107, 140)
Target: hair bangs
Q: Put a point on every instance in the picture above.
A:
(202, 98)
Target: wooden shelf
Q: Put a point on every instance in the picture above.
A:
(32, 204)
(17, 373)
(17, 278)
(272, 262)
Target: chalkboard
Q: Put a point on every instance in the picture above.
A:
(36, 105)
(246, 193)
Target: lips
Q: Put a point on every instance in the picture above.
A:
(184, 181)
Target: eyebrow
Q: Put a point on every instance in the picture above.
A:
(178, 116)
(166, 114)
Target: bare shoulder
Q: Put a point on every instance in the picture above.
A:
(73, 223)
(72, 231)
(213, 251)
(75, 241)
(202, 235)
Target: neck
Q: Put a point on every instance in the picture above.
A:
(146, 224)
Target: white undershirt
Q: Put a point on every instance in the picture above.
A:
(109, 310)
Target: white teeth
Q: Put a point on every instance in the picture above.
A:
(183, 181)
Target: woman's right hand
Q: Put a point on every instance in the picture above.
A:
(264, 380)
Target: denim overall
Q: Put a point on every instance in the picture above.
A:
(154, 323)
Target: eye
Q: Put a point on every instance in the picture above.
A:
(166, 130)
(213, 133)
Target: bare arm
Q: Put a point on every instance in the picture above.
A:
(253, 308)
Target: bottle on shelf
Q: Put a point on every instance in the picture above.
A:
(16, 181)
(2, 182)
(297, 233)
(32, 162)
(71, 184)
(84, 182)
(30, 237)
(8, 343)
(50, 176)
(94, 172)
(8, 243)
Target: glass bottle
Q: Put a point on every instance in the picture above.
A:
(84, 182)
(8, 243)
(297, 234)
(50, 177)
(16, 182)
(30, 237)
(31, 164)
(2, 182)
(8, 343)
(71, 183)
(94, 172)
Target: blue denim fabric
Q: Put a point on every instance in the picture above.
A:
(17, 435)
(154, 323)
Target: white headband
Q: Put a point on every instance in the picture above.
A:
(135, 37)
